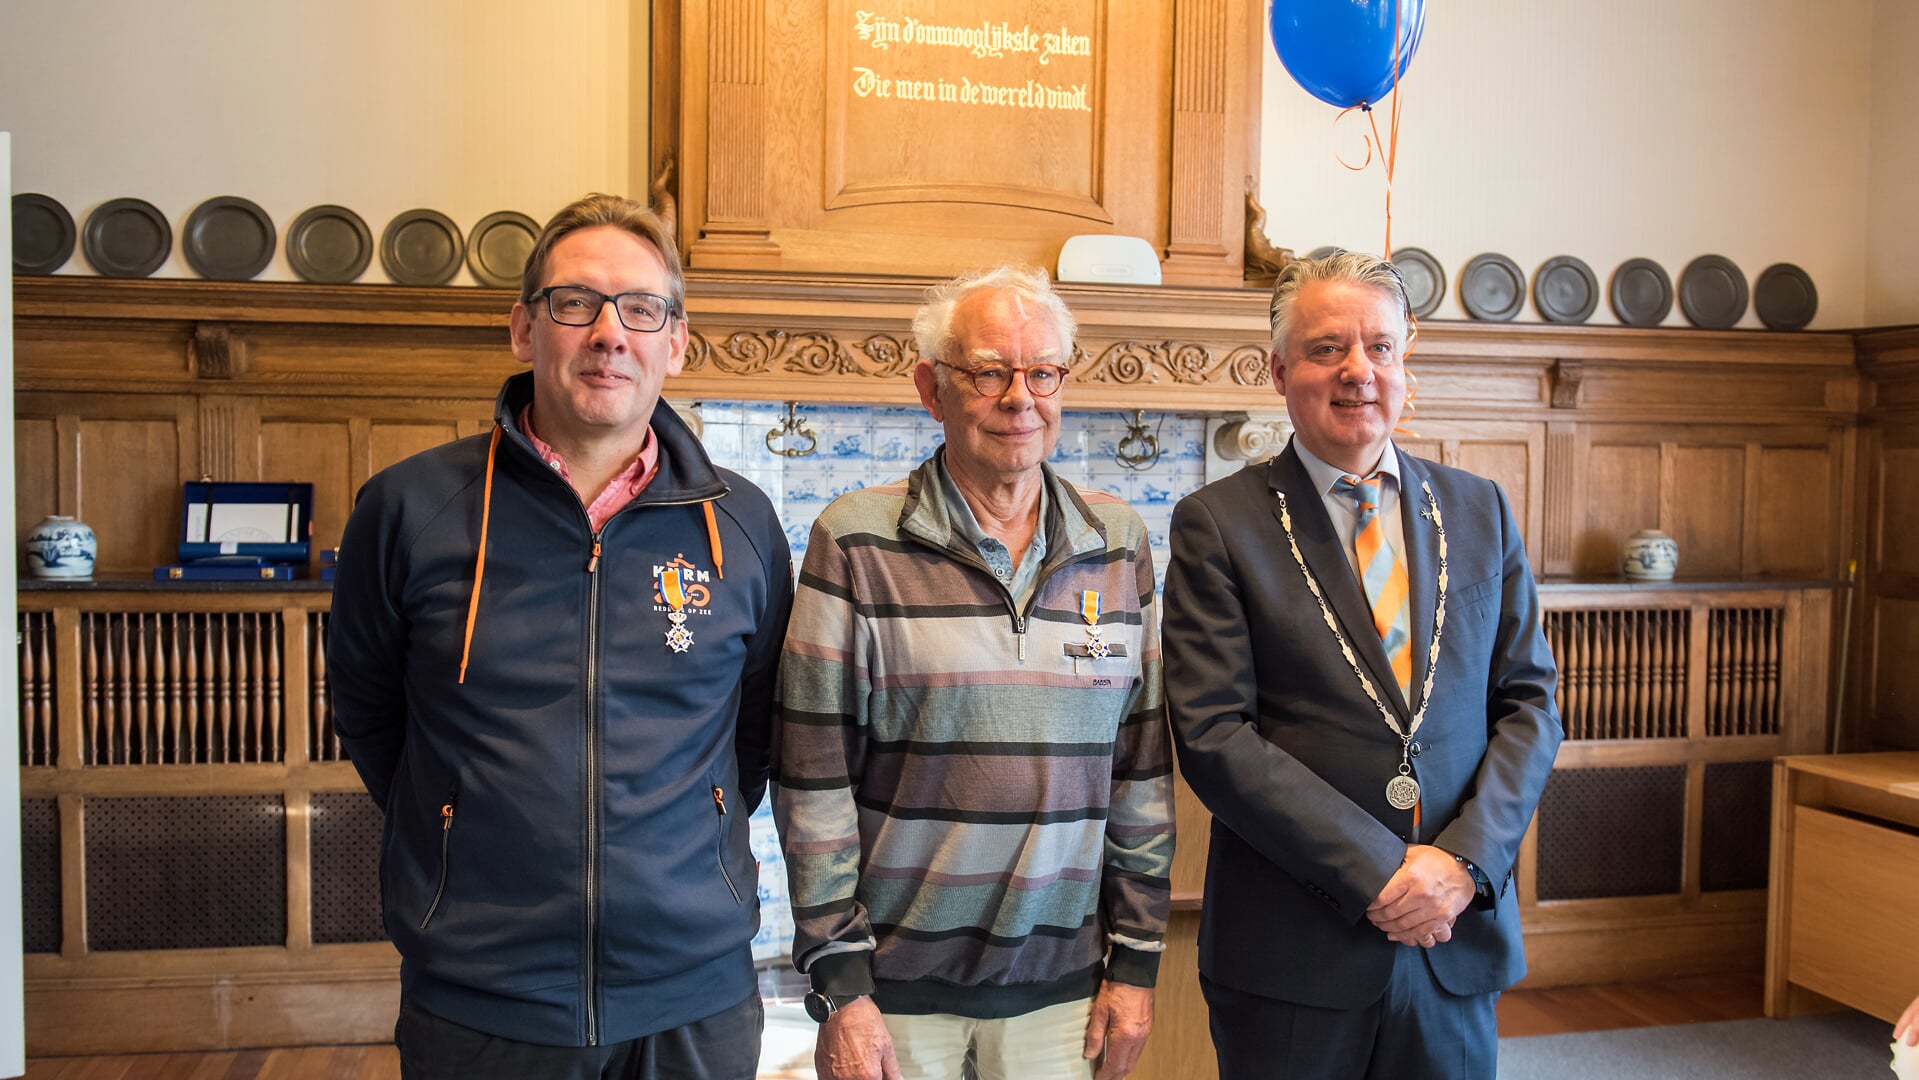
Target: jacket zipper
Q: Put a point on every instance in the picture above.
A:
(719, 801)
(592, 801)
(446, 847)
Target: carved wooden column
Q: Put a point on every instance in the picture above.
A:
(733, 229)
(1212, 87)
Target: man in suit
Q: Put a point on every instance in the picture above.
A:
(1362, 695)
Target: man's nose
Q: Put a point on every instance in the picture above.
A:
(608, 332)
(1017, 397)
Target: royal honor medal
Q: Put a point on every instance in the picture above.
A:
(678, 637)
(1089, 606)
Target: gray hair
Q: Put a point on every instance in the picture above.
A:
(933, 323)
(1356, 267)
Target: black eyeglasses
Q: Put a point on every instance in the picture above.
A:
(577, 305)
(993, 380)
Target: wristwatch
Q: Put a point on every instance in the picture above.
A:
(821, 1007)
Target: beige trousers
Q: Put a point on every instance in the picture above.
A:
(1040, 1045)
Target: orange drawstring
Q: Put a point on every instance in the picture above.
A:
(479, 562)
(713, 539)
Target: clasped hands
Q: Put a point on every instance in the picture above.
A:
(1422, 898)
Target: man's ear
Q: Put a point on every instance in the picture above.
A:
(926, 381)
(676, 354)
(1278, 365)
(519, 328)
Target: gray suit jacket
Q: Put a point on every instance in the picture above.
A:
(1279, 741)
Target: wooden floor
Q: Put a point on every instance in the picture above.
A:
(1531, 1012)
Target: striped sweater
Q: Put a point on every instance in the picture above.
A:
(971, 814)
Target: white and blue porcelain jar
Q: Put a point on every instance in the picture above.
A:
(60, 547)
(1650, 555)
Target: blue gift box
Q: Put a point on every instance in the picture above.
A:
(241, 531)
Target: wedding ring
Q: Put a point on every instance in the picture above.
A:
(1427, 941)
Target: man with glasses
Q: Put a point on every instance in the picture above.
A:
(1362, 695)
(553, 652)
(975, 785)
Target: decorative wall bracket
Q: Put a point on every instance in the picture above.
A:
(792, 431)
(1139, 450)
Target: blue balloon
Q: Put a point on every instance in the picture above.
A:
(1341, 51)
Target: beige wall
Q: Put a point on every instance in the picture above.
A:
(1610, 130)
(1892, 237)
(463, 106)
(1762, 130)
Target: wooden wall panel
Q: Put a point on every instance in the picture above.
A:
(1789, 539)
(1510, 465)
(1622, 497)
(318, 454)
(392, 442)
(36, 492)
(1895, 674)
(1899, 511)
(130, 478)
(1705, 510)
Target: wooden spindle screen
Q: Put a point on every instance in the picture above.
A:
(1742, 688)
(1622, 671)
(177, 688)
(322, 743)
(39, 732)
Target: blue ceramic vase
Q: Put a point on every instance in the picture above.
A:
(61, 547)
(1650, 555)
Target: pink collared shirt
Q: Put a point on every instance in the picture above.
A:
(620, 490)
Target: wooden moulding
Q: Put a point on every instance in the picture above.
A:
(828, 338)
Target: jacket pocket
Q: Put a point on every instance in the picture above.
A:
(719, 850)
(446, 845)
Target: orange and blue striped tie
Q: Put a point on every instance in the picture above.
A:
(1384, 577)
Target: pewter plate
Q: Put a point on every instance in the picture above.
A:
(497, 248)
(421, 247)
(1492, 287)
(43, 234)
(1425, 279)
(228, 239)
(1565, 289)
(1712, 292)
(126, 238)
(1784, 297)
(329, 245)
(1641, 293)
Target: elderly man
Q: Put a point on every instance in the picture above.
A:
(553, 655)
(1361, 694)
(975, 786)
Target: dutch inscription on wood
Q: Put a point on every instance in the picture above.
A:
(975, 103)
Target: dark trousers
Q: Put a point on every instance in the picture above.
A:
(1415, 1031)
(724, 1046)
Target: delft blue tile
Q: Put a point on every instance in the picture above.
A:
(1151, 493)
(808, 490)
(849, 446)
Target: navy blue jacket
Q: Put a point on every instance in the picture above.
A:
(1278, 740)
(565, 858)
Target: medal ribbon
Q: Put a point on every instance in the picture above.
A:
(671, 589)
(1089, 606)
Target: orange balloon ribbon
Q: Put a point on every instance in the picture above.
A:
(1388, 151)
(1388, 148)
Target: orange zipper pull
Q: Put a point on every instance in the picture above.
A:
(594, 565)
(719, 800)
(446, 817)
